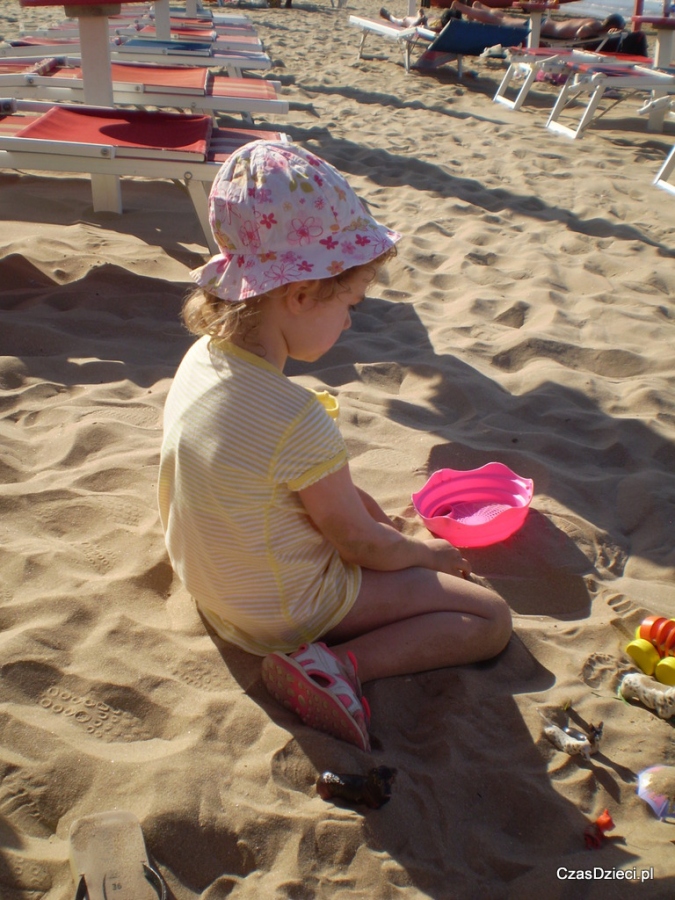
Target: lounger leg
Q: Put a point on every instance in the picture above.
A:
(500, 93)
(106, 194)
(664, 172)
(658, 114)
(500, 96)
(559, 105)
(199, 194)
(590, 110)
(570, 91)
(361, 43)
(527, 84)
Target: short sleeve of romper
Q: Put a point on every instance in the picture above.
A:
(312, 449)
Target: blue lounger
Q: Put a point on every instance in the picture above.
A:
(465, 38)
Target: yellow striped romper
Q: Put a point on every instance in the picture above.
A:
(240, 439)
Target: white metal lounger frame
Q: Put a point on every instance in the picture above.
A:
(522, 62)
(636, 79)
(661, 180)
(405, 37)
(31, 86)
(196, 173)
(551, 62)
(665, 104)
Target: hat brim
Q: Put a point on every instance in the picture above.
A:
(238, 276)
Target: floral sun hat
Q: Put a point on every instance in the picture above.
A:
(280, 214)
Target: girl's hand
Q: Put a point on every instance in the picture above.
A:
(448, 558)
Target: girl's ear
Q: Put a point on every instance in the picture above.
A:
(300, 295)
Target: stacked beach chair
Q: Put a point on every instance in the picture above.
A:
(155, 37)
(97, 138)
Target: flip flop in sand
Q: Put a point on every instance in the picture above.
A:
(314, 684)
(109, 860)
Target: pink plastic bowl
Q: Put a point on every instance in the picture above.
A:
(476, 507)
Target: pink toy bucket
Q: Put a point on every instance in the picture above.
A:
(474, 508)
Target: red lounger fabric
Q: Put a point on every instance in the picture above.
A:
(133, 128)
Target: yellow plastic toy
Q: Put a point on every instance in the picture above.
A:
(653, 649)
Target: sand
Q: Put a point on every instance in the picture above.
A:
(528, 318)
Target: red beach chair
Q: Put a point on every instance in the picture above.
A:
(109, 143)
(198, 90)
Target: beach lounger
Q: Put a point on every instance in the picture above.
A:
(458, 38)
(198, 90)
(219, 40)
(594, 80)
(226, 38)
(38, 137)
(145, 50)
(532, 61)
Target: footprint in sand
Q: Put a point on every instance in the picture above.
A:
(201, 676)
(603, 670)
(99, 719)
(24, 875)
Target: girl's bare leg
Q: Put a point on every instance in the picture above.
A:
(416, 619)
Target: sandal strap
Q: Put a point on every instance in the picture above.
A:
(318, 658)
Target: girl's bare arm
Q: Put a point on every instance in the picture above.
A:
(340, 513)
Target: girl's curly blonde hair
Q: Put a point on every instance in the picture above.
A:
(205, 314)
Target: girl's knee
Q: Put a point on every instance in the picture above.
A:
(499, 627)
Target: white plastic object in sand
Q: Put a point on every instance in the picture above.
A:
(108, 859)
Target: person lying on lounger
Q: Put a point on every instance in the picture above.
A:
(421, 19)
(565, 29)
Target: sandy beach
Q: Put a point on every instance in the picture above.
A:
(528, 318)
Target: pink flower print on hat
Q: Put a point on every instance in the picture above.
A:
(273, 198)
(305, 230)
(268, 220)
(249, 235)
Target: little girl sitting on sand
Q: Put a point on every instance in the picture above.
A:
(284, 556)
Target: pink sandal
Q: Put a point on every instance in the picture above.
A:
(316, 686)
